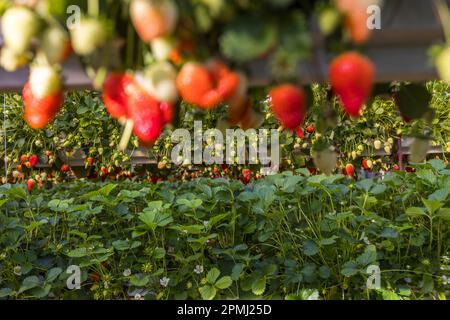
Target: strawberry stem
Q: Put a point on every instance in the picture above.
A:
(100, 78)
(129, 124)
(444, 15)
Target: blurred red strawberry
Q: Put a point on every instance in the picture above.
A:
(153, 18)
(40, 112)
(167, 112)
(352, 77)
(145, 112)
(30, 184)
(206, 86)
(90, 161)
(33, 160)
(288, 105)
(300, 133)
(114, 95)
(350, 169)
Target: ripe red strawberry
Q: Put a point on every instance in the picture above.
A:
(145, 112)
(356, 23)
(90, 161)
(367, 164)
(23, 158)
(288, 105)
(40, 112)
(396, 168)
(300, 133)
(352, 77)
(30, 184)
(167, 112)
(356, 16)
(310, 129)
(33, 160)
(245, 179)
(65, 168)
(154, 179)
(350, 169)
(246, 172)
(114, 96)
(153, 18)
(206, 86)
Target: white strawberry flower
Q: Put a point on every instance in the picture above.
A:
(164, 282)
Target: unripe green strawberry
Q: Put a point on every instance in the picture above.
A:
(44, 81)
(329, 19)
(162, 48)
(160, 81)
(387, 149)
(419, 149)
(377, 144)
(89, 35)
(19, 26)
(55, 45)
(325, 160)
(443, 64)
(11, 61)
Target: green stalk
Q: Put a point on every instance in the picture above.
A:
(444, 15)
(93, 8)
(126, 135)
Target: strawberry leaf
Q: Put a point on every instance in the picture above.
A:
(413, 100)
(247, 38)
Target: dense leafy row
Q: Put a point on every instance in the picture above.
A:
(84, 124)
(287, 236)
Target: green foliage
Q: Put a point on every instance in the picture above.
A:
(286, 236)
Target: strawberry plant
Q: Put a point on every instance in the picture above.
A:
(215, 238)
